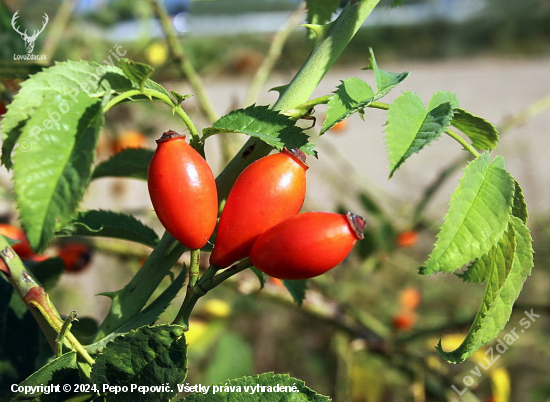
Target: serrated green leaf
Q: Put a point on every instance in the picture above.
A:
(270, 126)
(297, 289)
(483, 134)
(48, 272)
(135, 71)
(385, 80)
(259, 388)
(443, 97)
(505, 281)
(132, 163)
(147, 316)
(519, 209)
(410, 127)
(477, 217)
(110, 224)
(500, 254)
(261, 276)
(62, 370)
(149, 356)
(350, 96)
(50, 178)
(65, 78)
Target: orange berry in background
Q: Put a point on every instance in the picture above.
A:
(404, 321)
(339, 127)
(76, 256)
(410, 299)
(129, 139)
(23, 248)
(407, 238)
(275, 281)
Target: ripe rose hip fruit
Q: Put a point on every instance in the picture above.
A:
(307, 245)
(267, 192)
(183, 191)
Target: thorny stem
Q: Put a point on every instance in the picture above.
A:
(184, 64)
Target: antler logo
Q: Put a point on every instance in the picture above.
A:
(29, 40)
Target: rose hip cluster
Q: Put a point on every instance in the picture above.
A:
(260, 219)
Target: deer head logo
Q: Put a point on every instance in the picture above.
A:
(29, 40)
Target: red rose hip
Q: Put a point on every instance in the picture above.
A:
(183, 191)
(307, 245)
(267, 192)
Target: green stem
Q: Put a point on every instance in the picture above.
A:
(64, 329)
(151, 93)
(204, 285)
(458, 138)
(379, 105)
(193, 277)
(301, 87)
(273, 54)
(184, 64)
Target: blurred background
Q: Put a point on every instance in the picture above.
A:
(367, 330)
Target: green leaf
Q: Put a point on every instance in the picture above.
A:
(265, 387)
(270, 126)
(50, 178)
(443, 97)
(410, 127)
(261, 276)
(483, 134)
(508, 269)
(350, 96)
(48, 272)
(232, 357)
(147, 316)
(137, 72)
(477, 217)
(110, 224)
(62, 370)
(321, 11)
(132, 163)
(149, 356)
(297, 289)
(519, 209)
(385, 80)
(72, 79)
